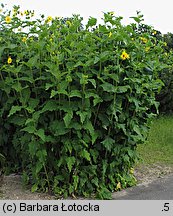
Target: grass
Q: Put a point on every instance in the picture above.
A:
(159, 145)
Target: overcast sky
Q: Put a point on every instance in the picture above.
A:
(157, 13)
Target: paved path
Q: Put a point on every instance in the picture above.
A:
(160, 189)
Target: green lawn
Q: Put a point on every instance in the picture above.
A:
(159, 145)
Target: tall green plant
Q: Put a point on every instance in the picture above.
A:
(77, 99)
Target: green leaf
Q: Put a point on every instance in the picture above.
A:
(137, 130)
(75, 93)
(33, 148)
(41, 154)
(96, 59)
(67, 118)
(29, 129)
(108, 143)
(48, 86)
(76, 181)
(108, 87)
(105, 194)
(70, 162)
(94, 153)
(82, 115)
(91, 130)
(91, 22)
(97, 100)
(58, 128)
(50, 106)
(123, 89)
(33, 103)
(32, 61)
(53, 93)
(25, 96)
(61, 91)
(93, 82)
(34, 188)
(85, 154)
(95, 181)
(17, 86)
(39, 165)
(17, 120)
(14, 109)
(41, 134)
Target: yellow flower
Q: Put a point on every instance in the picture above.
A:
(124, 55)
(9, 61)
(24, 39)
(49, 19)
(14, 12)
(58, 17)
(111, 13)
(144, 40)
(155, 32)
(26, 12)
(68, 23)
(110, 34)
(132, 171)
(8, 19)
(118, 186)
(147, 49)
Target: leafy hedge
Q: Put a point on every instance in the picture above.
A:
(165, 96)
(75, 100)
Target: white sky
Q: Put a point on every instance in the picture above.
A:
(157, 13)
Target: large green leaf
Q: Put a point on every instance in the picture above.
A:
(67, 118)
(91, 22)
(41, 134)
(90, 128)
(14, 109)
(108, 87)
(85, 154)
(29, 129)
(70, 162)
(75, 93)
(50, 105)
(82, 115)
(123, 89)
(108, 143)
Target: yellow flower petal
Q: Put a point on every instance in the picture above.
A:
(9, 61)
(132, 171)
(124, 55)
(68, 23)
(110, 34)
(144, 40)
(8, 19)
(49, 19)
(118, 186)
(147, 49)
(24, 39)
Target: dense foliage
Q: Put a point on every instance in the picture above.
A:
(76, 100)
(165, 96)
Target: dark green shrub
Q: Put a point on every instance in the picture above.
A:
(77, 99)
(165, 97)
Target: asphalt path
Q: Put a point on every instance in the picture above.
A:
(159, 189)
